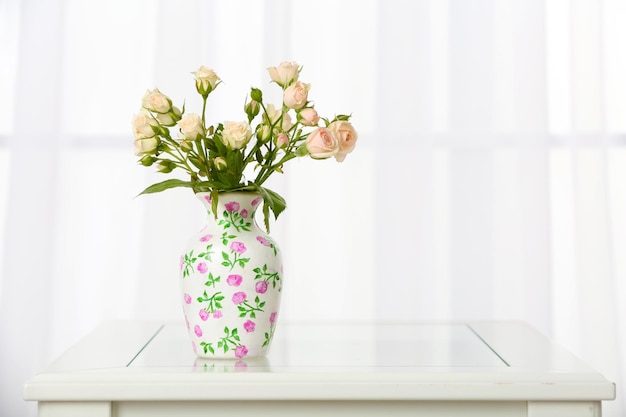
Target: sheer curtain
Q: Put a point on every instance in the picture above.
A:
(489, 181)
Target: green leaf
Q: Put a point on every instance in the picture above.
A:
(167, 184)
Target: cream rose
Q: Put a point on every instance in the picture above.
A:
(170, 118)
(321, 144)
(146, 146)
(282, 140)
(309, 116)
(295, 96)
(206, 80)
(236, 135)
(285, 73)
(191, 126)
(274, 114)
(346, 136)
(143, 124)
(156, 101)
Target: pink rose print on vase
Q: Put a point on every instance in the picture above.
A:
(241, 351)
(238, 247)
(263, 241)
(249, 326)
(202, 268)
(234, 280)
(204, 315)
(261, 287)
(187, 298)
(239, 297)
(206, 238)
(232, 206)
(256, 201)
(207, 199)
(244, 213)
(197, 330)
(181, 262)
(273, 317)
(217, 314)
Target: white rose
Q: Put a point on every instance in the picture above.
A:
(146, 146)
(236, 135)
(143, 123)
(191, 126)
(156, 101)
(285, 73)
(170, 118)
(273, 115)
(206, 80)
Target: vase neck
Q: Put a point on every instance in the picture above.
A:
(241, 203)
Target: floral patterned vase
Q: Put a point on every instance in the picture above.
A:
(231, 281)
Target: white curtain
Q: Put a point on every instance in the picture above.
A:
(488, 183)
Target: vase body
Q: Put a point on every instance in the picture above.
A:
(231, 281)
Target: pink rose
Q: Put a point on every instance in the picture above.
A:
(249, 326)
(181, 261)
(244, 213)
(309, 117)
(239, 297)
(295, 96)
(202, 268)
(187, 298)
(232, 206)
(273, 317)
(346, 136)
(238, 247)
(321, 144)
(263, 241)
(256, 201)
(234, 280)
(197, 330)
(282, 140)
(217, 314)
(204, 315)
(207, 199)
(261, 287)
(241, 351)
(206, 238)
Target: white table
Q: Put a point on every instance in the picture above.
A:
(499, 369)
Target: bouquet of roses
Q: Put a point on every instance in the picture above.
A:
(218, 157)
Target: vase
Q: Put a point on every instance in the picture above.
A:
(231, 278)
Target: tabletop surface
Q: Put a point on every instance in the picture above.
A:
(133, 360)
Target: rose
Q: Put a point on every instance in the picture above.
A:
(244, 213)
(272, 116)
(156, 101)
(263, 241)
(239, 297)
(206, 80)
(273, 317)
(261, 287)
(249, 326)
(282, 140)
(234, 280)
(321, 144)
(204, 315)
(187, 298)
(170, 118)
(220, 163)
(217, 314)
(146, 146)
(285, 73)
(238, 247)
(144, 124)
(308, 116)
(191, 126)
(206, 238)
(197, 330)
(241, 351)
(202, 268)
(295, 96)
(233, 206)
(346, 136)
(236, 135)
